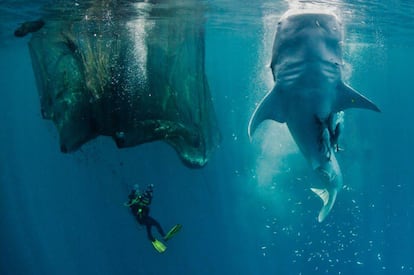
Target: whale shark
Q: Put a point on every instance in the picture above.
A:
(310, 95)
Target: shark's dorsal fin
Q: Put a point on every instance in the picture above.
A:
(347, 98)
(271, 107)
(328, 198)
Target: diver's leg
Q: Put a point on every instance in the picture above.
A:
(324, 138)
(335, 139)
(153, 222)
(336, 125)
(149, 233)
(325, 147)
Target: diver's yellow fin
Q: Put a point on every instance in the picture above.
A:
(176, 228)
(159, 246)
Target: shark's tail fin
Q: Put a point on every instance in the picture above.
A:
(328, 198)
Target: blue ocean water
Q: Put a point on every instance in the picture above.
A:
(250, 210)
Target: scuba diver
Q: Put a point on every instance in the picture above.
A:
(139, 204)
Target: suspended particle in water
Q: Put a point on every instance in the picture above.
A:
(379, 257)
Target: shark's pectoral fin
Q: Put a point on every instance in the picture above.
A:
(328, 198)
(271, 107)
(349, 98)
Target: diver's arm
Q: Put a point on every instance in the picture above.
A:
(132, 195)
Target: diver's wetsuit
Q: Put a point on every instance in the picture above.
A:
(139, 205)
